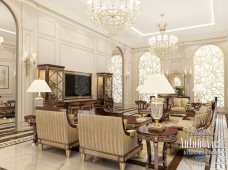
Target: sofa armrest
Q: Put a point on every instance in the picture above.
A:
(131, 132)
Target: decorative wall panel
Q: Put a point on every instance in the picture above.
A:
(46, 51)
(148, 65)
(209, 74)
(117, 78)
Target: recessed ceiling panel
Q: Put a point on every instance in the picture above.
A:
(178, 14)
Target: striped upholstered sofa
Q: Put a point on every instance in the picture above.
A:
(54, 129)
(105, 136)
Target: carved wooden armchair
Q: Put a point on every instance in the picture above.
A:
(142, 106)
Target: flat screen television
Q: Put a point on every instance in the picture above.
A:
(78, 85)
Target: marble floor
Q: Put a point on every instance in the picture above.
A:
(26, 156)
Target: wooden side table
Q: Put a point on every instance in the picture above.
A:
(31, 120)
(137, 121)
(167, 136)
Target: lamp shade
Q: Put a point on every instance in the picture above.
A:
(39, 86)
(156, 84)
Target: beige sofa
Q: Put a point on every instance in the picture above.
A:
(54, 129)
(105, 136)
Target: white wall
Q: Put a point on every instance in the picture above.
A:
(56, 40)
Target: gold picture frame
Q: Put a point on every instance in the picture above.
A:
(176, 79)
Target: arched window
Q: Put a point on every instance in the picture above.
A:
(209, 74)
(117, 78)
(148, 64)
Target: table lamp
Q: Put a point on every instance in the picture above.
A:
(38, 86)
(156, 84)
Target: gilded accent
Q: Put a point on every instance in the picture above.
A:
(68, 153)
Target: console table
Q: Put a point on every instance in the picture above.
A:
(167, 136)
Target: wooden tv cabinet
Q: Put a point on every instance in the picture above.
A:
(83, 104)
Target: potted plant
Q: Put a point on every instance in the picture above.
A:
(179, 91)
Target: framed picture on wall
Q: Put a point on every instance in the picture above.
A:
(4, 77)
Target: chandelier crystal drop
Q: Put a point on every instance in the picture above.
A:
(113, 15)
(163, 44)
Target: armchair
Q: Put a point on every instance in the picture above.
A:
(105, 136)
(55, 129)
(142, 106)
(180, 104)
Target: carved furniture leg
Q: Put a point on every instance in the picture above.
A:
(40, 146)
(122, 166)
(35, 138)
(68, 153)
(148, 154)
(83, 156)
(164, 154)
(155, 155)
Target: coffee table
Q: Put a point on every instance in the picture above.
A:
(167, 136)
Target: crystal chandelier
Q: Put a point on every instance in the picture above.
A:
(113, 15)
(162, 44)
(1, 40)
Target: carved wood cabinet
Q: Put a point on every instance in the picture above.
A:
(104, 86)
(54, 76)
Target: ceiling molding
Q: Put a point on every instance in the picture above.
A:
(67, 19)
(196, 42)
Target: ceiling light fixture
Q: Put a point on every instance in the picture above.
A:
(113, 15)
(1, 40)
(163, 44)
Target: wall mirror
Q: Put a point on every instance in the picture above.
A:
(176, 79)
(8, 51)
(177, 82)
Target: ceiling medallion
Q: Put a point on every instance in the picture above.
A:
(113, 15)
(163, 44)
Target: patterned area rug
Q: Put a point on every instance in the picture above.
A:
(219, 157)
(16, 141)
